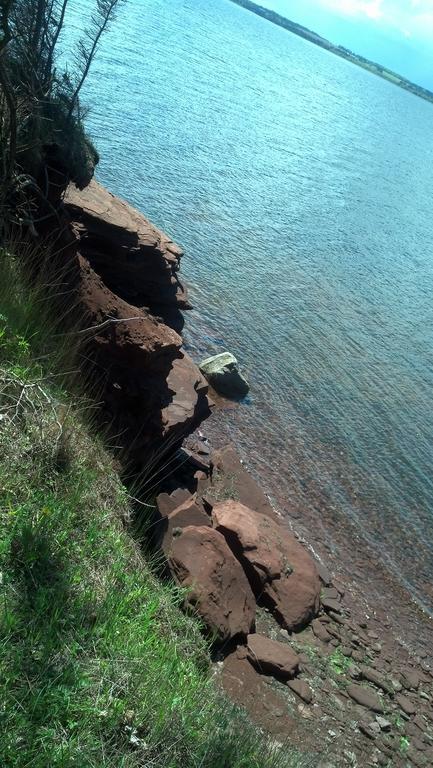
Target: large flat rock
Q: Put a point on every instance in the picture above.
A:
(229, 476)
(281, 572)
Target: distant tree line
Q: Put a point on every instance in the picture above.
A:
(41, 119)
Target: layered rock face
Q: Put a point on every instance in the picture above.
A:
(151, 393)
(135, 260)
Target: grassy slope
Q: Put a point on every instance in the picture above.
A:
(98, 665)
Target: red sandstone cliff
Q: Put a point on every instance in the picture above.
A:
(151, 392)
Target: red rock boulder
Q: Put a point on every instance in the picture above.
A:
(218, 588)
(281, 572)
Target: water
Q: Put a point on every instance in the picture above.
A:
(300, 187)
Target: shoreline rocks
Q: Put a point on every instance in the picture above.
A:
(218, 590)
(281, 572)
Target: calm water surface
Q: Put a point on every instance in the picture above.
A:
(301, 189)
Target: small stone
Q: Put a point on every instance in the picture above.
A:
(324, 575)
(271, 657)
(355, 672)
(418, 744)
(365, 696)
(320, 631)
(410, 679)
(396, 685)
(358, 656)
(420, 722)
(346, 651)
(330, 604)
(338, 585)
(375, 677)
(406, 705)
(302, 689)
(367, 730)
(330, 593)
(383, 723)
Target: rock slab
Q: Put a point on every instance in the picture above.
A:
(218, 588)
(271, 657)
(281, 572)
(365, 696)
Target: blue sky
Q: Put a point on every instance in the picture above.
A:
(397, 33)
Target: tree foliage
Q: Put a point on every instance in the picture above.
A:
(41, 121)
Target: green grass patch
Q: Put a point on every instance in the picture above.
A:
(338, 663)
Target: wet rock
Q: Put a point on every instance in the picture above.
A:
(279, 569)
(223, 374)
(218, 588)
(271, 657)
(365, 696)
(302, 689)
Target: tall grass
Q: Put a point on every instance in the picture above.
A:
(99, 667)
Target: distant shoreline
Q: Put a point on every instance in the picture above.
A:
(339, 50)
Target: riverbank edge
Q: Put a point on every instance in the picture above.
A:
(124, 273)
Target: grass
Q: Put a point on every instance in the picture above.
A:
(339, 663)
(99, 667)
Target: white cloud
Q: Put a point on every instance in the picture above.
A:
(370, 8)
(413, 18)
